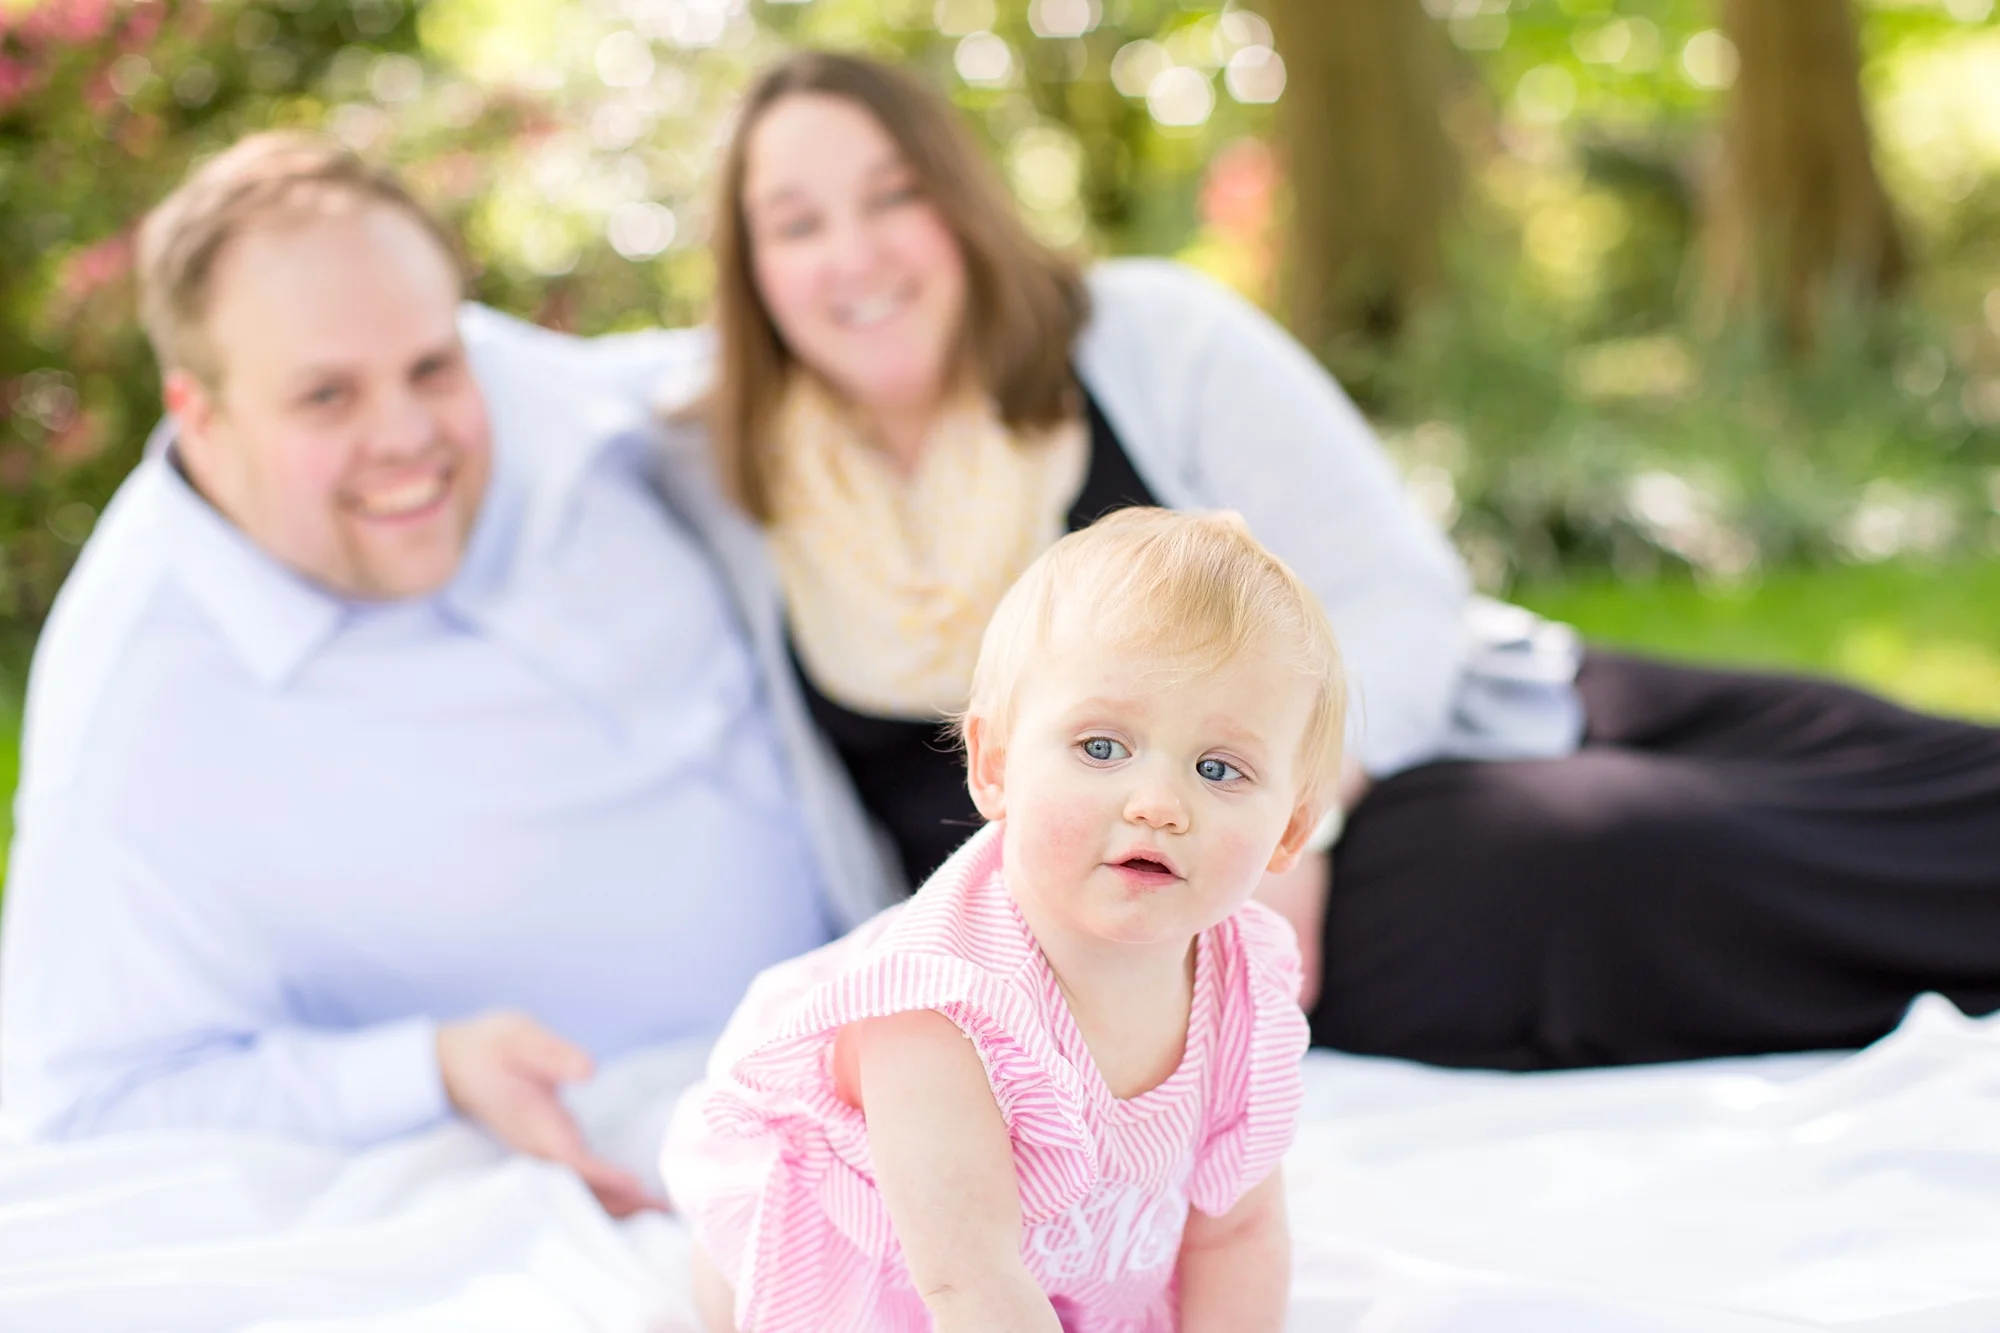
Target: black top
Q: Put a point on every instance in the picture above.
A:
(908, 771)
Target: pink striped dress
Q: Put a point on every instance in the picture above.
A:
(772, 1168)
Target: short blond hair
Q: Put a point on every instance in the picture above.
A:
(1194, 586)
(266, 180)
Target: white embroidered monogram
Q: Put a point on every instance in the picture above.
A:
(1121, 1230)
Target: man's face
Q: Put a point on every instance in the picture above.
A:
(344, 433)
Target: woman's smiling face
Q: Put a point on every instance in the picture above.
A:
(858, 269)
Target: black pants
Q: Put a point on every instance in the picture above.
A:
(1731, 864)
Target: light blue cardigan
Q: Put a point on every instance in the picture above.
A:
(1217, 408)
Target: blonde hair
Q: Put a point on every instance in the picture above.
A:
(265, 180)
(1023, 303)
(1194, 586)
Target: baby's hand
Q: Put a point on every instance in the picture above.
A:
(945, 1165)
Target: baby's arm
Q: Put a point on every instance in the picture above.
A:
(945, 1166)
(1236, 1269)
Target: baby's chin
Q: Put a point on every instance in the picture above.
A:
(1139, 937)
(1143, 923)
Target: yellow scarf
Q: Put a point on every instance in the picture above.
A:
(890, 579)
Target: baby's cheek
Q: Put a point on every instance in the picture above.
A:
(1058, 834)
(1243, 856)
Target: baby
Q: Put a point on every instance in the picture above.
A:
(1052, 1090)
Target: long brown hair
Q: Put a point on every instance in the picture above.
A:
(1024, 302)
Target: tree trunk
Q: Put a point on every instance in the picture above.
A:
(1371, 170)
(1799, 224)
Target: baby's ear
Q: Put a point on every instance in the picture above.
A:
(985, 768)
(1305, 818)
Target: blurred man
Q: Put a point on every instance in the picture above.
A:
(390, 749)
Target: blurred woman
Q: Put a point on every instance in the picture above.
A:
(1545, 857)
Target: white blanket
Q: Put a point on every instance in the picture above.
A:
(1787, 1193)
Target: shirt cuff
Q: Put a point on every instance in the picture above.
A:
(1331, 825)
(388, 1082)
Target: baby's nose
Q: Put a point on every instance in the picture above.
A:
(1156, 805)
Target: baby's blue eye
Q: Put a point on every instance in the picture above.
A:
(1103, 749)
(1215, 770)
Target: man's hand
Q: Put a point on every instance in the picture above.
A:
(502, 1070)
(1299, 896)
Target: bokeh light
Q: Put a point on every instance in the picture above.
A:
(1137, 64)
(1180, 97)
(1063, 18)
(1710, 60)
(983, 59)
(1256, 75)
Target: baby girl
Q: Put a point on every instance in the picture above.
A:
(1051, 1091)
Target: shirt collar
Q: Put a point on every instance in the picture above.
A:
(272, 618)
(550, 427)
(554, 422)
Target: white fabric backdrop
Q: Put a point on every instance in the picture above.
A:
(1788, 1193)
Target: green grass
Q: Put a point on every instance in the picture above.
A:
(1928, 637)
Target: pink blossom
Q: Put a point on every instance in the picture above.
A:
(1236, 197)
(80, 439)
(142, 25)
(17, 469)
(17, 80)
(71, 22)
(95, 267)
(99, 95)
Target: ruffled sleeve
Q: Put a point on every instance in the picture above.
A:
(1256, 1084)
(1039, 1092)
(808, 1197)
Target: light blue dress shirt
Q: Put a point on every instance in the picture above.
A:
(268, 838)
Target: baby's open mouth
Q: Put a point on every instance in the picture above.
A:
(1147, 868)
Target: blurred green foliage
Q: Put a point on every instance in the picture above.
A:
(1923, 635)
(1568, 407)
(1562, 407)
